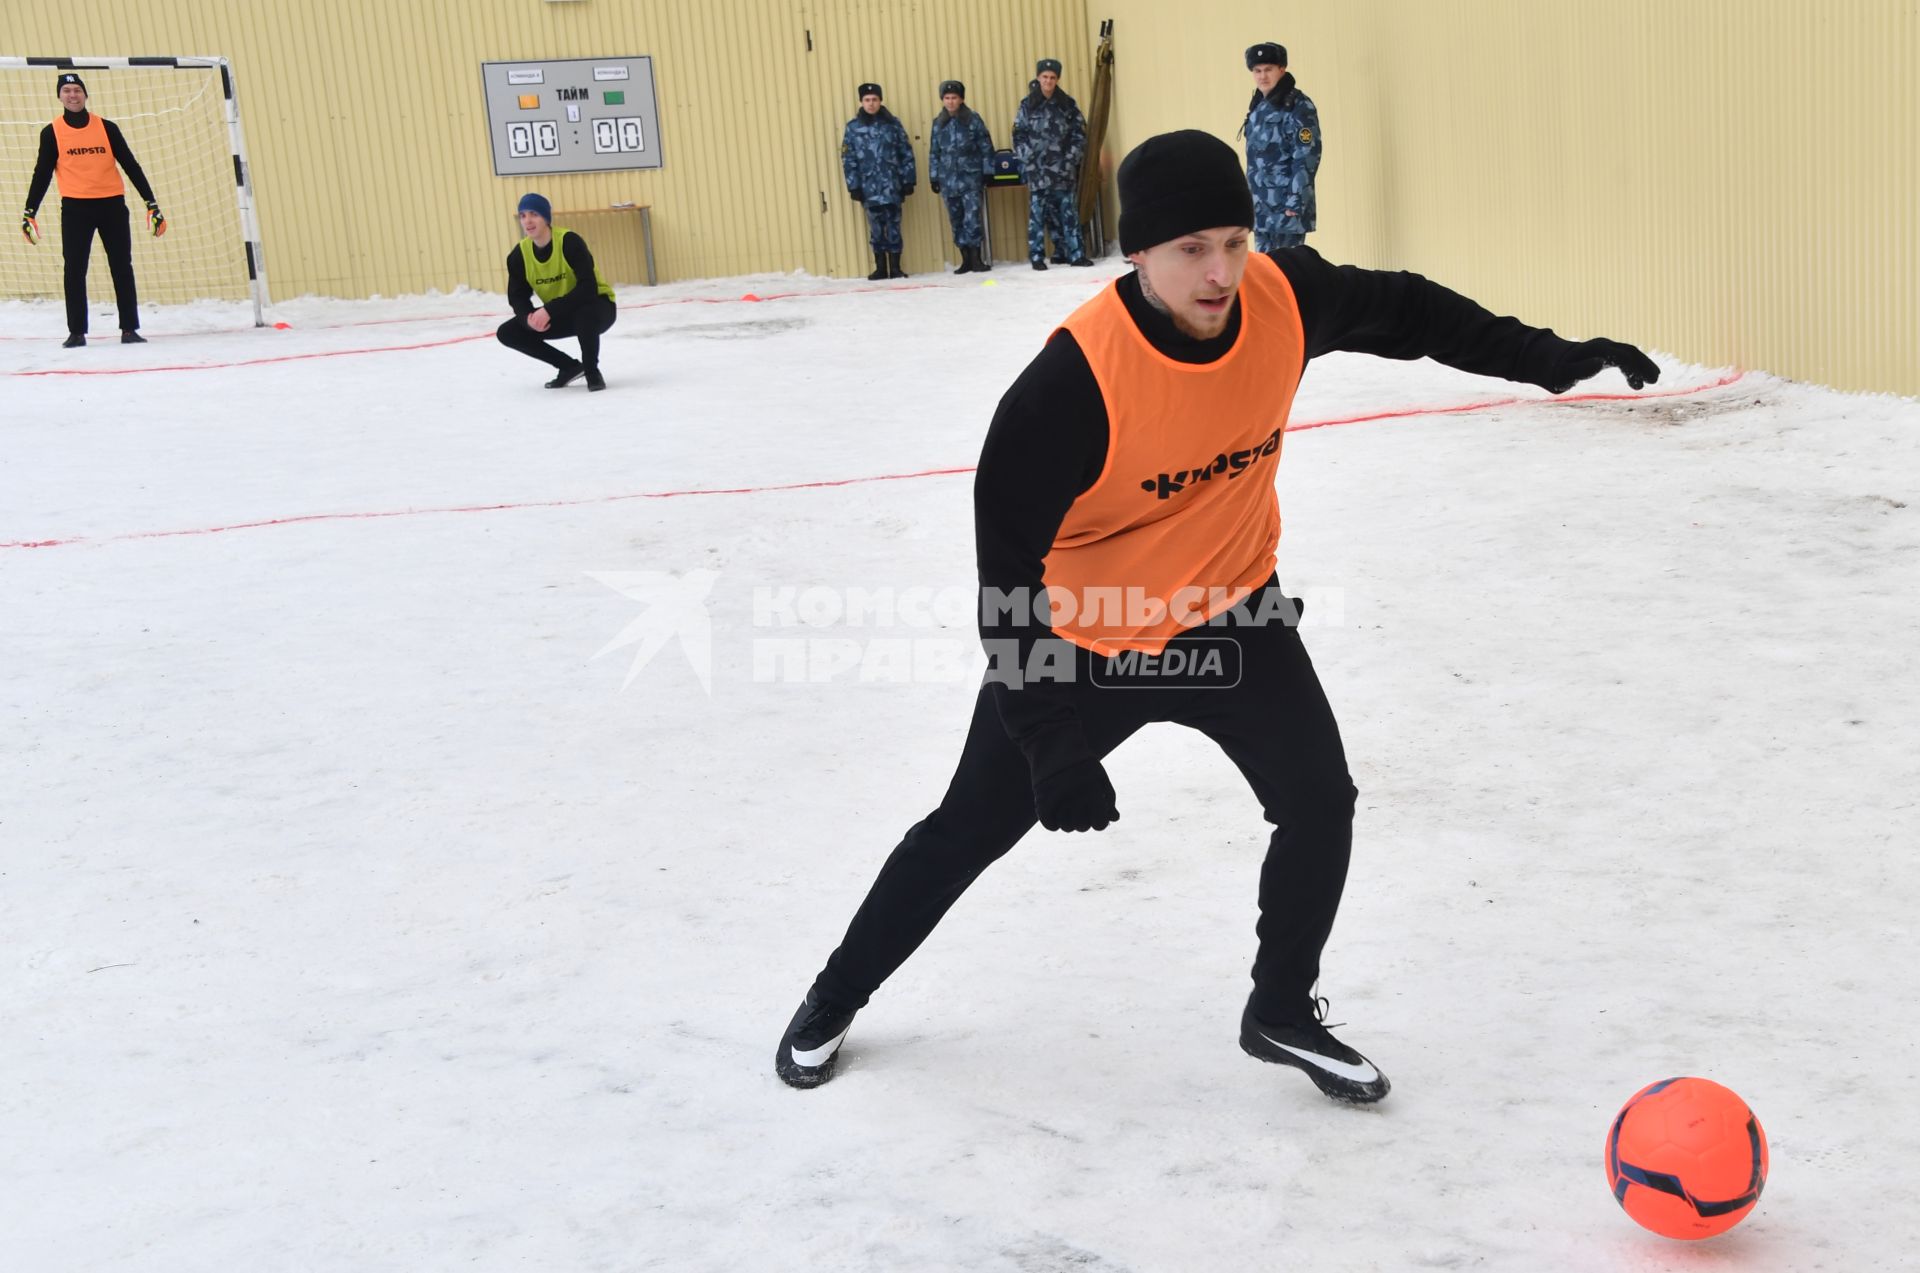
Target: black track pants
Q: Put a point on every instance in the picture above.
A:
(588, 322)
(1275, 725)
(80, 220)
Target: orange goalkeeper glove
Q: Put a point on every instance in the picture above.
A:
(155, 222)
(29, 228)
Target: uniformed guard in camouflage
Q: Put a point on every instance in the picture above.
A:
(1050, 136)
(959, 161)
(1283, 151)
(876, 159)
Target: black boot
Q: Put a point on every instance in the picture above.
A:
(981, 261)
(1336, 1069)
(132, 338)
(74, 341)
(811, 1043)
(567, 376)
(1039, 264)
(879, 266)
(893, 266)
(966, 260)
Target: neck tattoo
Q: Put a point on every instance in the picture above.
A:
(1152, 297)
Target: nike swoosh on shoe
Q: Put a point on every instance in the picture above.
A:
(817, 1056)
(1363, 1073)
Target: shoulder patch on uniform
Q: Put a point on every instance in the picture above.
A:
(1306, 137)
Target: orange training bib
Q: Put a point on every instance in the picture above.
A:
(1183, 521)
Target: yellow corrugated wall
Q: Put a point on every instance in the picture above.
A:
(1734, 181)
(367, 126)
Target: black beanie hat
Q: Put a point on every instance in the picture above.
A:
(952, 86)
(68, 77)
(870, 88)
(1177, 183)
(1047, 64)
(1268, 54)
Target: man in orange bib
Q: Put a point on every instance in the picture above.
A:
(1127, 483)
(86, 153)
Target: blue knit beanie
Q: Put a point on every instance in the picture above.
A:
(537, 203)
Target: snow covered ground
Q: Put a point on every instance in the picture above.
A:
(361, 909)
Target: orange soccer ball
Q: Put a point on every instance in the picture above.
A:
(1686, 1158)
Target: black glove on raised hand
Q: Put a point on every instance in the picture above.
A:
(1591, 357)
(1078, 798)
(858, 196)
(931, 185)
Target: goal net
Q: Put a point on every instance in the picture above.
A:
(181, 118)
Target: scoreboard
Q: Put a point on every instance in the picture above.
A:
(583, 114)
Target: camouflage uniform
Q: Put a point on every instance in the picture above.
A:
(876, 159)
(959, 160)
(1283, 155)
(1050, 136)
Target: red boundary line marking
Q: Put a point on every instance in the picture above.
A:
(748, 298)
(250, 362)
(1725, 380)
(1490, 403)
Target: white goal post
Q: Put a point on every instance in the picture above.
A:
(181, 118)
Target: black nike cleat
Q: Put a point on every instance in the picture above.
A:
(1336, 1069)
(595, 381)
(812, 1043)
(566, 377)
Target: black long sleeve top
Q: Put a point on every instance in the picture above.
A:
(1048, 440)
(49, 156)
(520, 292)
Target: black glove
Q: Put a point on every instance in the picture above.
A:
(29, 228)
(858, 197)
(155, 221)
(1078, 798)
(907, 193)
(1591, 357)
(931, 185)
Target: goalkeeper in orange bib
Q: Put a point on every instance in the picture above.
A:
(86, 153)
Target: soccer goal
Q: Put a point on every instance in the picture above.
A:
(181, 117)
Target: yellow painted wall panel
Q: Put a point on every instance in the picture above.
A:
(368, 128)
(1734, 181)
